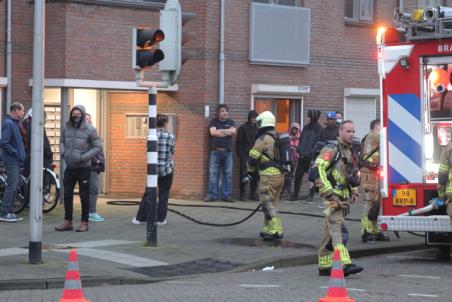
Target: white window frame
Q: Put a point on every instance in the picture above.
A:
(357, 12)
(298, 3)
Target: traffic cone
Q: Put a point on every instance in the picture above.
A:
(73, 291)
(337, 291)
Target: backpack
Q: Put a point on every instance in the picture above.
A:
(318, 146)
(362, 160)
(282, 155)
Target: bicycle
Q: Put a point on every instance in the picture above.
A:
(50, 188)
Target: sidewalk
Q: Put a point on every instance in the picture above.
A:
(113, 252)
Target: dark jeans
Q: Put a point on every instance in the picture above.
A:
(301, 169)
(164, 187)
(243, 173)
(12, 181)
(93, 190)
(71, 177)
(220, 161)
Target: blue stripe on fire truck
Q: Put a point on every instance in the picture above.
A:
(404, 138)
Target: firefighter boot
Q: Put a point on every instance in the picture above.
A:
(368, 237)
(265, 229)
(351, 269)
(381, 237)
(275, 230)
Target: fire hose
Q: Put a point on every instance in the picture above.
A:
(254, 211)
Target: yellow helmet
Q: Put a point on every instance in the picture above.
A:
(265, 119)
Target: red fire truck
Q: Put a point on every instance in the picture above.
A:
(415, 64)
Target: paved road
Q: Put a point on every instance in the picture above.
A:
(410, 277)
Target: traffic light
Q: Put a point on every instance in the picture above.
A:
(172, 19)
(144, 54)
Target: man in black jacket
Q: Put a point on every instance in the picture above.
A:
(330, 132)
(246, 135)
(309, 136)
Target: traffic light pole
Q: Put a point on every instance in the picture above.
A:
(37, 134)
(152, 177)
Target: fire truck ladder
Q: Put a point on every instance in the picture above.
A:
(430, 26)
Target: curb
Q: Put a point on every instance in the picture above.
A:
(312, 259)
(91, 281)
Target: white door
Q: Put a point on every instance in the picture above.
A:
(361, 110)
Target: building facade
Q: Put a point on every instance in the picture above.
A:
(287, 56)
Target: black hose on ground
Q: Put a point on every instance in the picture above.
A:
(258, 208)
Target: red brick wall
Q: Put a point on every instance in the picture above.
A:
(93, 42)
(2, 38)
(127, 156)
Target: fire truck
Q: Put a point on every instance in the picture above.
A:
(414, 65)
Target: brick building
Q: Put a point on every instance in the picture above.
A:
(284, 55)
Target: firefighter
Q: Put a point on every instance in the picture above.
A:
(337, 179)
(262, 160)
(370, 184)
(445, 178)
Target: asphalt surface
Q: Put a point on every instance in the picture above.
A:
(402, 277)
(114, 251)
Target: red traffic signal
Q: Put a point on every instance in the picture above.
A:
(144, 54)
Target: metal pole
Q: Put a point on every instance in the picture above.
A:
(9, 54)
(151, 183)
(37, 134)
(64, 117)
(221, 67)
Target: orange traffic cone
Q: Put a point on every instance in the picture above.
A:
(337, 291)
(73, 291)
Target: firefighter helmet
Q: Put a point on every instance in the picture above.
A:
(265, 119)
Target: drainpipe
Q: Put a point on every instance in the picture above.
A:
(221, 67)
(8, 55)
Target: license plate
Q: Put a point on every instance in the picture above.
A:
(404, 197)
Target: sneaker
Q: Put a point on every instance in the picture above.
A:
(10, 217)
(228, 199)
(209, 199)
(161, 222)
(135, 221)
(321, 206)
(95, 217)
(309, 200)
(242, 197)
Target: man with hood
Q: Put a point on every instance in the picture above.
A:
(246, 135)
(263, 159)
(79, 144)
(309, 136)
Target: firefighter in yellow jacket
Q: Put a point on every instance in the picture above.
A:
(262, 160)
(370, 184)
(337, 178)
(445, 178)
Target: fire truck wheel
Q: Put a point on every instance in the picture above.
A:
(445, 252)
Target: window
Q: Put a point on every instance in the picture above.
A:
(282, 2)
(359, 10)
(136, 126)
(286, 111)
(267, 22)
(431, 3)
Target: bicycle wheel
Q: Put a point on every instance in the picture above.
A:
(20, 203)
(50, 191)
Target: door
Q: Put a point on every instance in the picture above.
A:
(360, 110)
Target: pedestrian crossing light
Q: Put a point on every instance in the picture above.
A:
(144, 53)
(172, 20)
